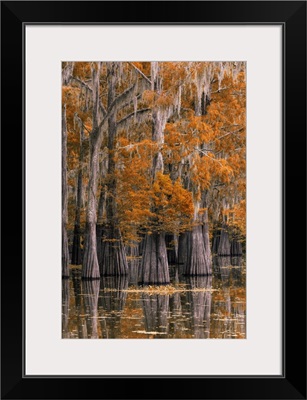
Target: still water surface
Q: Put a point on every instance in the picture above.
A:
(191, 307)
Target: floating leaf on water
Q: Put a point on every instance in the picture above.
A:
(150, 333)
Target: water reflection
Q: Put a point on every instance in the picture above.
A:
(112, 299)
(229, 305)
(192, 307)
(81, 322)
(65, 308)
(156, 309)
(90, 292)
(198, 305)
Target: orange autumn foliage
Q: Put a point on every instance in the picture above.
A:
(201, 153)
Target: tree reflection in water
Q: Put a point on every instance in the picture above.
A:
(90, 292)
(229, 303)
(81, 323)
(65, 308)
(156, 310)
(191, 307)
(111, 303)
(198, 305)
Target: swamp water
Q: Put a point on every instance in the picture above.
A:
(202, 307)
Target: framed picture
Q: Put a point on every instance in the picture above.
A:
(163, 152)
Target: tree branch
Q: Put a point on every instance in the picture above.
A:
(141, 73)
(122, 100)
(203, 150)
(125, 119)
(103, 110)
(219, 90)
(229, 133)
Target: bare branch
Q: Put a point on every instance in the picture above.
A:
(219, 90)
(214, 159)
(103, 110)
(229, 133)
(141, 73)
(203, 150)
(125, 119)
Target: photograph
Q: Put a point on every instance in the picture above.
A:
(154, 200)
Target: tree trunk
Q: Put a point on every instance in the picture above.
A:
(197, 263)
(236, 248)
(224, 244)
(76, 247)
(114, 260)
(99, 226)
(206, 238)
(172, 248)
(216, 240)
(154, 266)
(199, 252)
(90, 266)
(132, 250)
(65, 251)
(183, 247)
(222, 265)
(133, 271)
(199, 255)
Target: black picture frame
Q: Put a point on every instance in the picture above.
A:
(292, 384)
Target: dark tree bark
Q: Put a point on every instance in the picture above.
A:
(99, 226)
(133, 258)
(76, 247)
(172, 248)
(142, 246)
(174, 274)
(207, 238)
(222, 264)
(236, 248)
(198, 262)
(183, 247)
(133, 271)
(132, 250)
(216, 240)
(154, 266)
(224, 243)
(114, 260)
(199, 252)
(65, 251)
